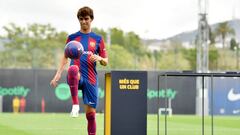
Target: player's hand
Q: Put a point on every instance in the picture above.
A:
(54, 81)
(95, 57)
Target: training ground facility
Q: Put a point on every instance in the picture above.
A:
(181, 94)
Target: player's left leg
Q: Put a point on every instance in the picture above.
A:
(91, 118)
(90, 99)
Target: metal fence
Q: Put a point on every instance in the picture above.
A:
(202, 76)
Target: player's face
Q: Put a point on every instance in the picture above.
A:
(85, 23)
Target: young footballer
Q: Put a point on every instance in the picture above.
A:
(82, 72)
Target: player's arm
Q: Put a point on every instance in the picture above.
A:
(102, 61)
(102, 58)
(57, 76)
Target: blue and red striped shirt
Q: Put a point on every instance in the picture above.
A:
(92, 43)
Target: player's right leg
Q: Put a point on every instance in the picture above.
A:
(73, 80)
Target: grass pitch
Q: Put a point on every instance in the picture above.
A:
(62, 124)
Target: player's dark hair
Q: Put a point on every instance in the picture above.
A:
(85, 11)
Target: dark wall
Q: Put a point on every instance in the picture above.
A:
(181, 91)
(36, 82)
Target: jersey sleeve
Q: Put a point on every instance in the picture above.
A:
(102, 49)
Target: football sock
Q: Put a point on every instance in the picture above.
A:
(73, 82)
(91, 123)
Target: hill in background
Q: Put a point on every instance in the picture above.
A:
(188, 38)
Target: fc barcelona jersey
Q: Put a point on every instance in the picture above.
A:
(92, 44)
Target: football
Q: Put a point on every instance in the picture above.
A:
(73, 50)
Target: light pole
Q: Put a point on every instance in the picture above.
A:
(202, 58)
(237, 55)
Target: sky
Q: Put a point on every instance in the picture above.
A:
(150, 19)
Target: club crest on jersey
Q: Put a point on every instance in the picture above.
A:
(92, 44)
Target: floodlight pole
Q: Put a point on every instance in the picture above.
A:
(202, 58)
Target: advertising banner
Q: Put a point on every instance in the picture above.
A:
(226, 96)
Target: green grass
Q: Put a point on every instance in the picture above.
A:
(192, 125)
(62, 124)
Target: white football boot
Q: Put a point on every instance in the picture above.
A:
(74, 112)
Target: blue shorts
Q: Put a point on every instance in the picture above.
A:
(89, 92)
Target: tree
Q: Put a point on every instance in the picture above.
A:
(117, 37)
(190, 55)
(224, 30)
(133, 44)
(211, 36)
(213, 58)
(233, 44)
(34, 46)
(120, 58)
